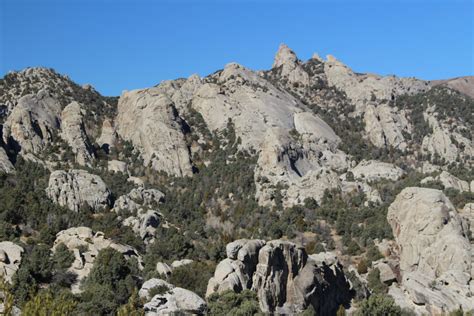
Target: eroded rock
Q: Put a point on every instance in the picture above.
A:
(74, 188)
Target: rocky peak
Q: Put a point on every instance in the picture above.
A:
(284, 56)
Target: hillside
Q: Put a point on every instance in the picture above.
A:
(306, 188)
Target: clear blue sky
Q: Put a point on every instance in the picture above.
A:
(118, 44)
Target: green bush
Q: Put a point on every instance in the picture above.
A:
(378, 305)
(231, 303)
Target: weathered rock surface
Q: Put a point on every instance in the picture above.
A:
(285, 279)
(385, 126)
(361, 88)
(5, 163)
(449, 181)
(373, 170)
(303, 167)
(175, 300)
(86, 245)
(290, 66)
(74, 188)
(435, 253)
(10, 259)
(74, 133)
(108, 136)
(138, 198)
(144, 224)
(150, 120)
(445, 142)
(32, 123)
(117, 166)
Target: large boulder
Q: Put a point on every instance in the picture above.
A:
(435, 253)
(285, 279)
(85, 245)
(449, 181)
(150, 120)
(74, 133)
(173, 300)
(74, 188)
(10, 259)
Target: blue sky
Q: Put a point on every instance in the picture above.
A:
(117, 44)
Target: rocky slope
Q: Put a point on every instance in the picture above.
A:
(307, 187)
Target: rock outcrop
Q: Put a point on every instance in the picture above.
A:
(144, 223)
(10, 259)
(150, 120)
(435, 253)
(445, 142)
(285, 279)
(291, 68)
(86, 244)
(174, 300)
(108, 136)
(361, 88)
(386, 125)
(449, 181)
(5, 164)
(373, 170)
(74, 133)
(75, 188)
(32, 123)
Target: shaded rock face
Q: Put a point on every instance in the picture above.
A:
(74, 188)
(10, 259)
(305, 162)
(175, 300)
(74, 133)
(285, 279)
(151, 122)
(435, 253)
(86, 244)
(108, 136)
(5, 163)
(32, 123)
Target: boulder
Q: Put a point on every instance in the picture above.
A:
(86, 244)
(175, 301)
(144, 224)
(117, 166)
(74, 188)
(144, 291)
(74, 134)
(10, 259)
(435, 253)
(285, 279)
(181, 263)
(163, 269)
(387, 275)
